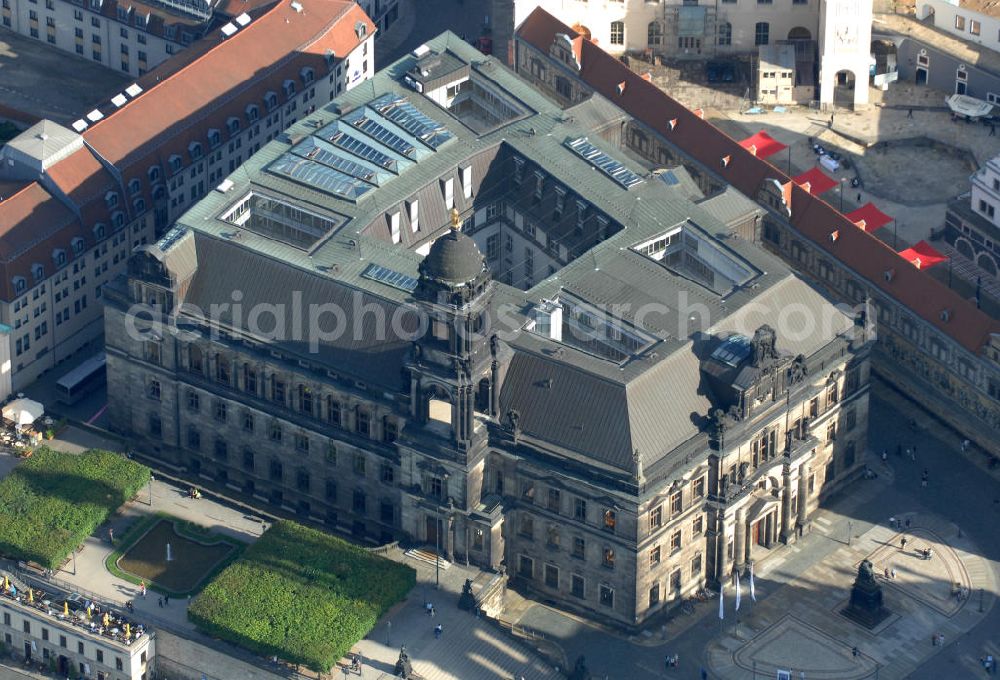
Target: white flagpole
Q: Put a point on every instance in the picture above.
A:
(722, 610)
(753, 596)
(737, 591)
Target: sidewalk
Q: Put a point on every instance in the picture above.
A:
(469, 647)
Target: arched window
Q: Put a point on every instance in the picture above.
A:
(154, 173)
(78, 245)
(159, 193)
(111, 198)
(194, 150)
(118, 220)
(289, 86)
(99, 231)
(20, 284)
(134, 186)
(617, 32)
(59, 256)
(762, 33)
(307, 75)
(270, 101)
(139, 205)
(233, 125)
(38, 272)
(725, 33)
(654, 34)
(253, 113)
(176, 163)
(214, 138)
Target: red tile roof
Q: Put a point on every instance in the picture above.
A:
(187, 95)
(233, 66)
(810, 215)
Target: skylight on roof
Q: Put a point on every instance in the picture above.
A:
(321, 152)
(170, 238)
(390, 277)
(320, 177)
(355, 146)
(401, 112)
(382, 135)
(605, 163)
(733, 350)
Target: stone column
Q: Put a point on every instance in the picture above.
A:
(787, 527)
(721, 546)
(470, 407)
(449, 544)
(803, 495)
(495, 389)
(739, 541)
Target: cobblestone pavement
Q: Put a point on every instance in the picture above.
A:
(469, 648)
(796, 624)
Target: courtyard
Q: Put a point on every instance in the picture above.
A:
(171, 559)
(41, 81)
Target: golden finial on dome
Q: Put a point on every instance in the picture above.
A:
(456, 219)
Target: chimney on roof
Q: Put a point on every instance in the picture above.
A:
(43, 136)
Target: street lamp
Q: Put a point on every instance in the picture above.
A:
(74, 574)
(150, 490)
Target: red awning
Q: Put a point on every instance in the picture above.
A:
(762, 145)
(815, 181)
(922, 255)
(869, 218)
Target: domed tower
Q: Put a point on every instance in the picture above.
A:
(453, 374)
(452, 356)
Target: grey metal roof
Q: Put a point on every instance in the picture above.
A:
(584, 404)
(729, 206)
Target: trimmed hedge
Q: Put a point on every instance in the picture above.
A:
(53, 501)
(302, 595)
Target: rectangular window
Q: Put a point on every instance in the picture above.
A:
(675, 541)
(654, 556)
(580, 509)
(959, 22)
(413, 210)
(359, 465)
(579, 548)
(467, 182)
(697, 525)
(607, 596)
(974, 27)
(555, 500)
(656, 518)
(698, 487)
(608, 558)
(676, 505)
(610, 519)
(526, 567)
(551, 576)
(449, 193)
(654, 595)
(577, 587)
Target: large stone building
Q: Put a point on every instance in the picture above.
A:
(830, 38)
(933, 343)
(73, 203)
(444, 308)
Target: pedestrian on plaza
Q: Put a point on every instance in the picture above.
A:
(909, 113)
(111, 535)
(166, 600)
(859, 197)
(934, 640)
(902, 543)
(159, 602)
(886, 573)
(907, 522)
(965, 446)
(892, 574)
(142, 588)
(437, 631)
(885, 455)
(855, 652)
(429, 608)
(830, 124)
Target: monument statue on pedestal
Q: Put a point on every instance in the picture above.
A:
(404, 669)
(866, 606)
(467, 600)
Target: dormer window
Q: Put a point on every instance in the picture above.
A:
(20, 284)
(253, 113)
(176, 163)
(134, 186)
(560, 203)
(539, 185)
(360, 29)
(78, 245)
(194, 149)
(111, 198)
(38, 272)
(118, 220)
(271, 101)
(99, 231)
(518, 170)
(307, 75)
(153, 173)
(139, 205)
(233, 126)
(289, 87)
(214, 138)
(59, 257)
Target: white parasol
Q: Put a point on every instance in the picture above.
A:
(23, 411)
(964, 105)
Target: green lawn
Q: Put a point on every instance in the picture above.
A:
(52, 501)
(302, 595)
